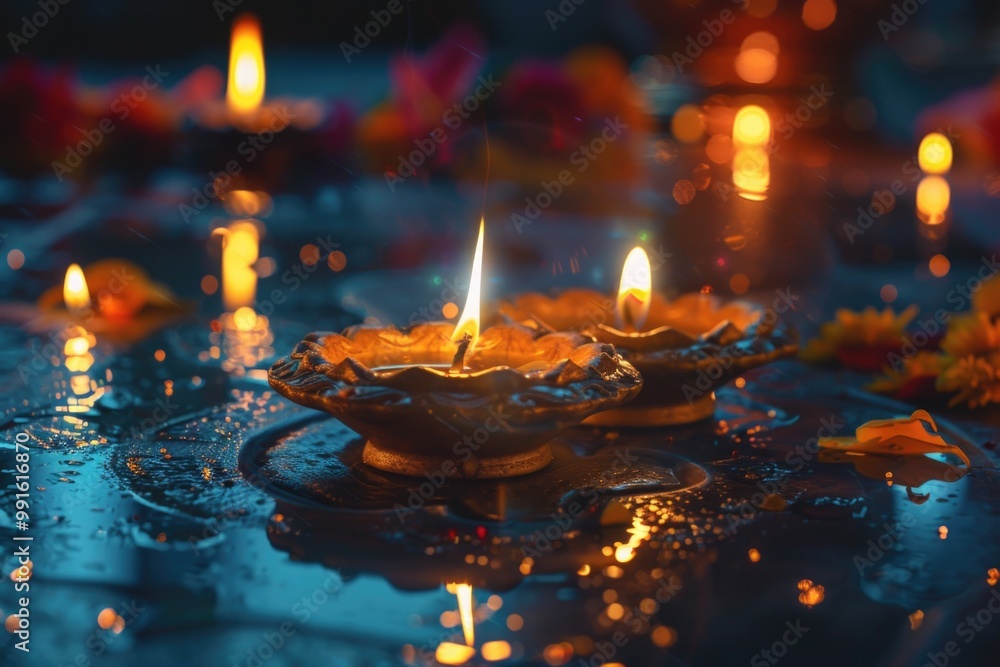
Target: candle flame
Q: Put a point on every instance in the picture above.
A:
(469, 322)
(751, 164)
(245, 90)
(933, 199)
(935, 153)
(76, 295)
(240, 250)
(635, 290)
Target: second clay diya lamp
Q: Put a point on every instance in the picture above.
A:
(439, 398)
(685, 348)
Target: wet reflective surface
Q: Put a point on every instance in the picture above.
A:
(213, 517)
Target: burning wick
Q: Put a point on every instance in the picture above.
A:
(458, 363)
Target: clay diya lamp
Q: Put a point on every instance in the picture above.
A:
(685, 348)
(440, 398)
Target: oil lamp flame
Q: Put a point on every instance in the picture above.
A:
(240, 250)
(76, 296)
(634, 291)
(469, 322)
(245, 90)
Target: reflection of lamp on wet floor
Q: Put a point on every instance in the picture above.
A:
(246, 337)
(933, 192)
(451, 653)
(751, 164)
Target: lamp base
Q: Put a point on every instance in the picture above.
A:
(421, 465)
(661, 415)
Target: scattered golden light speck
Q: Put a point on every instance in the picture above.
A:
(495, 651)
(916, 619)
(106, 619)
(811, 594)
(754, 556)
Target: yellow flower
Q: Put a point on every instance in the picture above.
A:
(975, 378)
(870, 330)
(987, 299)
(923, 365)
(971, 334)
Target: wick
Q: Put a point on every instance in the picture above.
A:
(458, 363)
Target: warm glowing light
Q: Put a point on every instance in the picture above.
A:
(449, 653)
(819, 14)
(751, 127)
(810, 594)
(624, 552)
(634, 291)
(762, 39)
(756, 65)
(754, 555)
(245, 318)
(664, 636)
(469, 322)
(992, 576)
(916, 619)
(933, 198)
(245, 90)
(935, 153)
(495, 651)
(939, 266)
(106, 619)
(76, 346)
(250, 203)
(686, 124)
(751, 164)
(75, 293)
(464, 594)
(240, 251)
